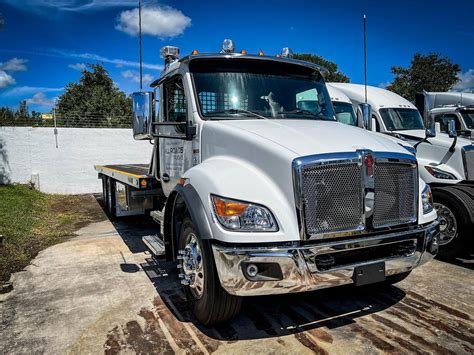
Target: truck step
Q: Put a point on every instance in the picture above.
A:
(155, 244)
(158, 216)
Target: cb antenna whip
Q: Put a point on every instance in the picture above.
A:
(365, 58)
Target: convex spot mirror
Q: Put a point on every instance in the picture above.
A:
(142, 115)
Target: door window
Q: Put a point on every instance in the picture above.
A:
(444, 119)
(175, 101)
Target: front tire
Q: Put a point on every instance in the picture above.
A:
(211, 303)
(452, 207)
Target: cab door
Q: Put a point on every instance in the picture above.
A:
(175, 147)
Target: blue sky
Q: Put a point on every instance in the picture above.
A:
(45, 43)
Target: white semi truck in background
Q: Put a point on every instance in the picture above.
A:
(446, 162)
(259, 190)
(449, 106)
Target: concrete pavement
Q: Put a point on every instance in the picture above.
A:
(102, 292)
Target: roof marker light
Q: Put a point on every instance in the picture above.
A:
(261, 53)
(195, 52)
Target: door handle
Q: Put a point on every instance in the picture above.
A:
(165, 178)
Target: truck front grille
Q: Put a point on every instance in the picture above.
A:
(332, 197)
(395, 195)
(338, 193)
(468, 160)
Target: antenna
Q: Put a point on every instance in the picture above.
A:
(140, 35)
(365, 58)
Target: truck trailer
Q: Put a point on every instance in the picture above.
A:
(260, 191)
(446, 162)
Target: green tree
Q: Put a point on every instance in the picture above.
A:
(432, 72)
(22, 113)
(333, 76)
(94, 101)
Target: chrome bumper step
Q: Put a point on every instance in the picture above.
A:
(155, 244)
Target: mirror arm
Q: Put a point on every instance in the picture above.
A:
(453, 145)
(424, 140)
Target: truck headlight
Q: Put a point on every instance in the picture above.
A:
(243, 216)
(427, 200)
(440, 174)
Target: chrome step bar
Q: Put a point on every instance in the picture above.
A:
(155, 244)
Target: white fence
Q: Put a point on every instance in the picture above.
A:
(28, 153)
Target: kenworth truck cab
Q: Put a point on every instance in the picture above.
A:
(446, 162)
(260, 191)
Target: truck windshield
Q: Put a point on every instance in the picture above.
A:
(468, 117)
(242, 89)
(399, 119)
(344, 113)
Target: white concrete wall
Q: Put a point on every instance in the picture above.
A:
(68, 169)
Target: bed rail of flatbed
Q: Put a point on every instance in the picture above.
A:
(130, 174)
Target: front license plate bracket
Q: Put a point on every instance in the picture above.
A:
(369, 274)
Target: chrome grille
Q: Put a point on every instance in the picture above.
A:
(339, 193)
(395, 195)
(468, 160)
(332, 197)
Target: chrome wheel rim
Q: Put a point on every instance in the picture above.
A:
(448, 226)
(192, 266)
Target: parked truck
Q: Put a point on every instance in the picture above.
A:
(449, 106)
(446, 162)
(259, 190)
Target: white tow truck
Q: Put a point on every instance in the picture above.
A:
(446, 162)
(260, 191)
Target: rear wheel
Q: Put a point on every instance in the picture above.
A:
(211, 303)
(110, 204)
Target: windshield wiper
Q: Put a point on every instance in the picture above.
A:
(304, 112)
(237, 111)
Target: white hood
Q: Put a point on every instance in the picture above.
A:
(307, 137)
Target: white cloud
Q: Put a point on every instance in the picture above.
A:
(466, 81)
(69, 5)
(14, 64)
(40, 99)
(99, 58)
(160, 21)
(384, 84)
(6, 79)
(28, 90)
(78, 66)
(135, 76)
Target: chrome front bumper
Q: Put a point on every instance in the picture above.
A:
(285, 269)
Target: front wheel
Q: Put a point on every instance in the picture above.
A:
(211, 303)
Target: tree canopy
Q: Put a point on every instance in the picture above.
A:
(334, 74)
(95, 98)
(432, 72)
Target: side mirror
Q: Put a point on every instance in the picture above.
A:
(452, 129)
(365, 111)
(142, 115)
(430, 130)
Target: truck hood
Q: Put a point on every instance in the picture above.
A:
(307, 137)
(441, 139)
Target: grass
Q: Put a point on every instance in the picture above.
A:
(31, 221)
